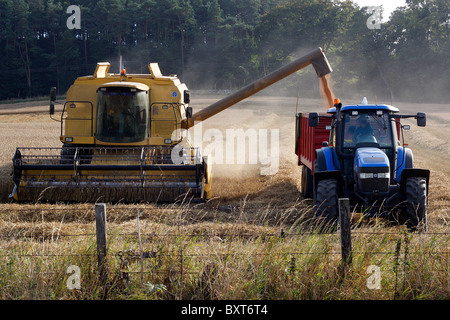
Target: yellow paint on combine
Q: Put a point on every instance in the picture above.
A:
(80, 116)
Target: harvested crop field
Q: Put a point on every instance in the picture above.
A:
(254, 240)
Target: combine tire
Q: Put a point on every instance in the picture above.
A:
(326, 202)
(67, 155)
(415, 213)
(307, 183)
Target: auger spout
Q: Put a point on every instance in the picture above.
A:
(316, 57)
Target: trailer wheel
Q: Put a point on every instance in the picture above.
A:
(415, 212)
(307, 183)
(326, 202)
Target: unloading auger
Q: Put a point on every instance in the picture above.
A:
(123, 140)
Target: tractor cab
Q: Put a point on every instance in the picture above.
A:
(367, 128)
(367, 141)
(365, 132)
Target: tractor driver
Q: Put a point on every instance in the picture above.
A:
(364, 131)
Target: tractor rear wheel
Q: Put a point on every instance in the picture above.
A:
(415, 212)
(326, 202)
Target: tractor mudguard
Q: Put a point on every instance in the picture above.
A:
(405, 160)
(327, 159)
(322, 175)
(413, 172)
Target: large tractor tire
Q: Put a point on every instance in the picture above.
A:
(326, 202)
(415, 212)
(307, 183)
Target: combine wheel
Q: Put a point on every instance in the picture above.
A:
(67, 155)
(326, 201)
(415, 212)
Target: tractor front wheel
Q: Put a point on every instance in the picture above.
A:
(415, 212)
(326, 202)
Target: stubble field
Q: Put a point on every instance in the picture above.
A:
(253, 240)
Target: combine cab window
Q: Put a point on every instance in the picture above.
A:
(367, 128)
(122, 115)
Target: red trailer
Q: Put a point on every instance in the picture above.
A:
(307, 140)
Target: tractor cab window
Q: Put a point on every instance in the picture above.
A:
(122, 115)
(367, 128)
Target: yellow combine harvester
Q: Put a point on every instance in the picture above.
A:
(123, 139)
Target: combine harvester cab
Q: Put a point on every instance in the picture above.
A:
(124, 139)
(358, 152)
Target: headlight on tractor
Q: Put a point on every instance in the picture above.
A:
(374, 181)
(370, 175)
(372, 170)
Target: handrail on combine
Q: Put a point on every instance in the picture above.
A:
(73, 103)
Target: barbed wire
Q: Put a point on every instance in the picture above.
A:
(228, 254)
(51, 255)
(281, 235)
(202, 270)
(182, 206)
(208, 234)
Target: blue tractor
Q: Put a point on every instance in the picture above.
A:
(366, 160)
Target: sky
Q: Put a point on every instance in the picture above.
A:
(388, 5)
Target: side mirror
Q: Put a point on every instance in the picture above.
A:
(188, 112)
(187, 96)
(313, 119)
(52, 100)
(421, 119)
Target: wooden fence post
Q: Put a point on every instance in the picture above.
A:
(141, 252)
(100, 225)
(346, 236)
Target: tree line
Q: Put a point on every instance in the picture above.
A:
(225, 44)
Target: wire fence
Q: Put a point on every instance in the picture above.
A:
(281, 234)
(156, 255)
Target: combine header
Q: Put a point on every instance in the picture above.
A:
(123, 138)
